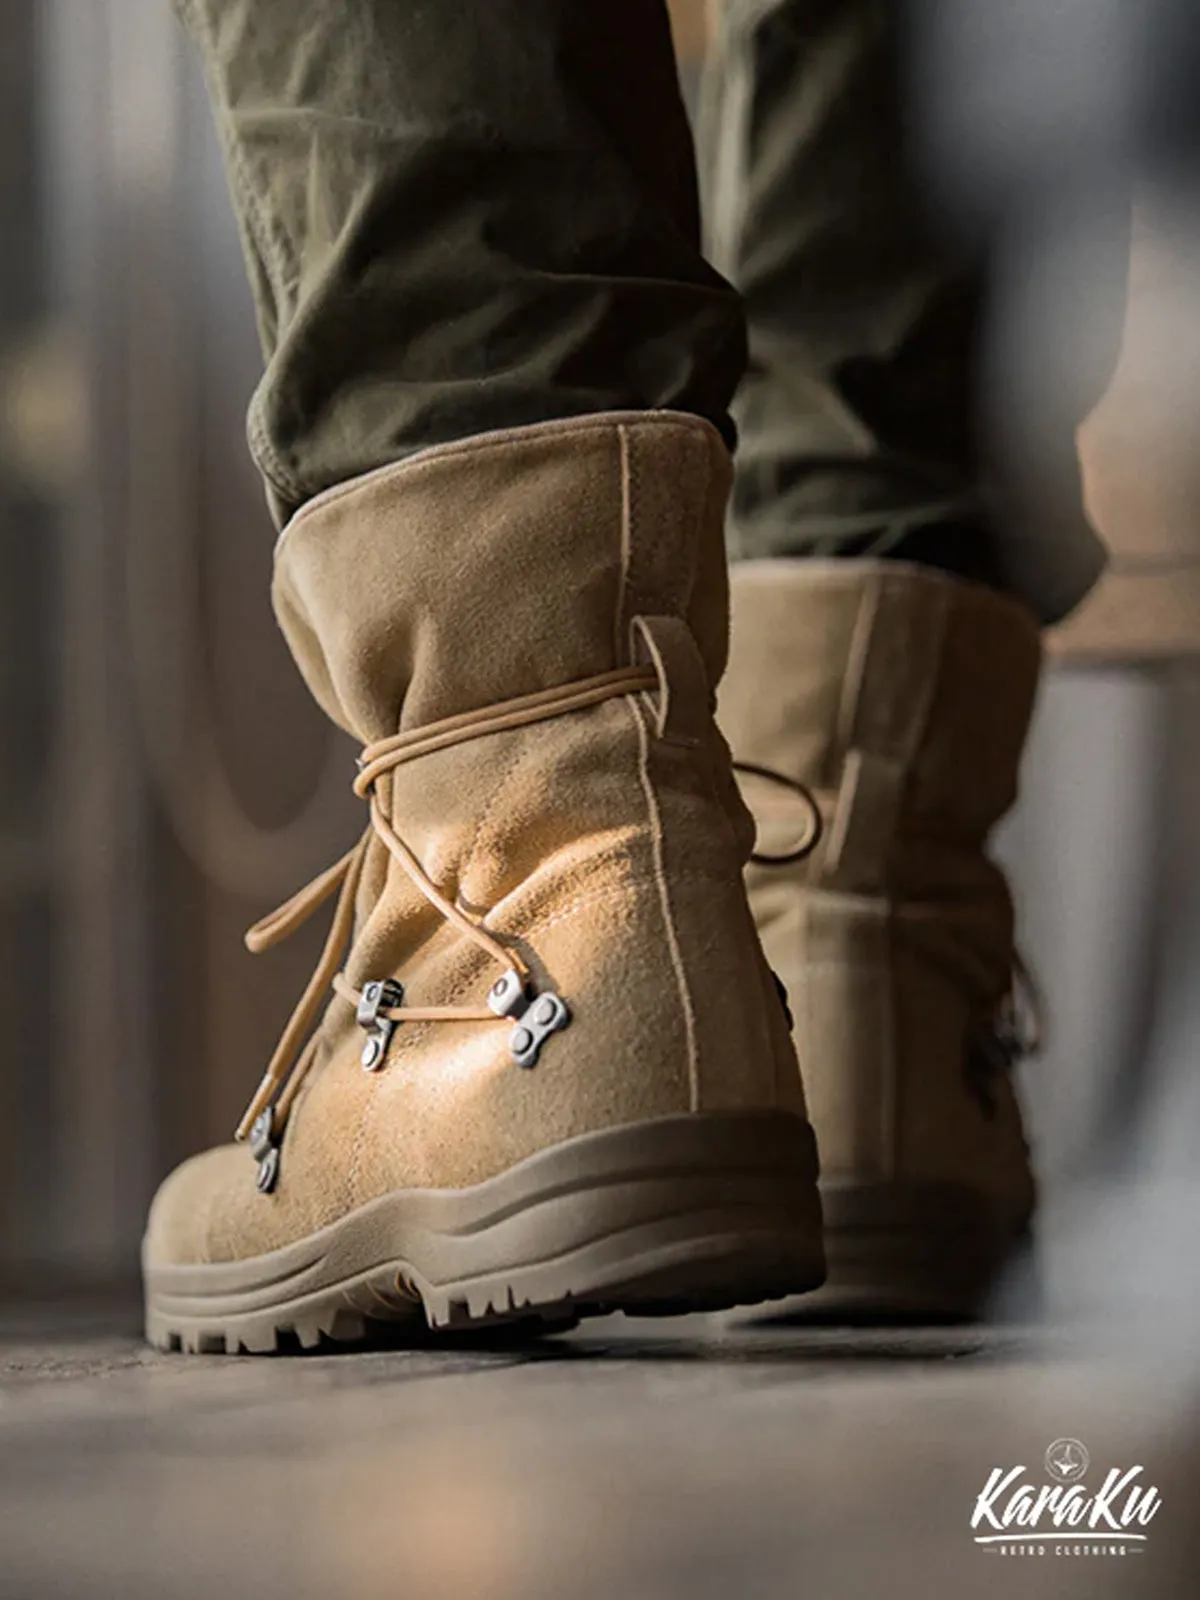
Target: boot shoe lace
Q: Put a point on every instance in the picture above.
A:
(380, 1005)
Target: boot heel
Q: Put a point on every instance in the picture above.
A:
(694, 1213)
(901, 1253)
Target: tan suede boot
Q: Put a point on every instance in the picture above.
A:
(555, 1077)
(901, 699)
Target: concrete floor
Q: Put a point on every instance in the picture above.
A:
(628, 1459)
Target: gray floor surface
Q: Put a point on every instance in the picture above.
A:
(690, 1458)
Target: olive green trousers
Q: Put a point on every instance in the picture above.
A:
(460, 216)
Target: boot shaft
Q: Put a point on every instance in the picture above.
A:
(901, 696)
(506, 564)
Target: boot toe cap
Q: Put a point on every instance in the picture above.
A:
(189, 1219)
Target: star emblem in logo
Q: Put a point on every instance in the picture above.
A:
(1067, 1460)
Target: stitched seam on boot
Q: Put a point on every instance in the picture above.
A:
(685, 1000)
(638, 714)
(900, 1090)
(854, 685)
(620, 644)
(857, 660)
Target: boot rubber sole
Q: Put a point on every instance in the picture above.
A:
(907, 1253)
(690, 1213)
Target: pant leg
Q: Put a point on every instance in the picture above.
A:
(858, 416)
(460, 215)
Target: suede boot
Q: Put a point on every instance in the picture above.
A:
(900, 699)
(555, 1077)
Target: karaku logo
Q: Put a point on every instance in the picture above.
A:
(1014, 1516)
(1067, 1460)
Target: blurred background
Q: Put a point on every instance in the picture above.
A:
(164, 778)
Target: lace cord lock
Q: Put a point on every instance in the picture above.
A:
(535, 1017)
(377, 996)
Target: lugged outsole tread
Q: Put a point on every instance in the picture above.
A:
(341, 1329)
(655, 1219)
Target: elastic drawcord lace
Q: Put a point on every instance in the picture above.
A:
(293, 1056)
(811, 839)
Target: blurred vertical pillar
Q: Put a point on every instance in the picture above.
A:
(1101, 863)
(99, 1148)
(691, 27)
(1037, 125)
(166, 778)
(26, 583)
(692, 24)
(1033, 118)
